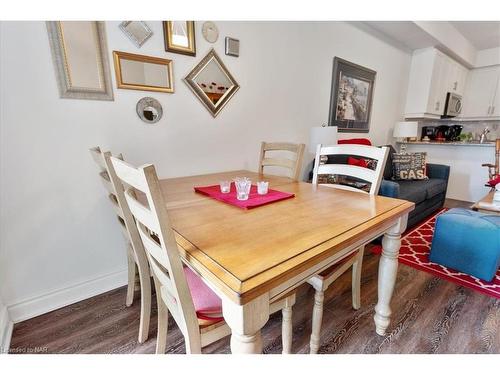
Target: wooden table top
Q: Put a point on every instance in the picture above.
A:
(248, 252)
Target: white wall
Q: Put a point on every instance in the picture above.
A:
(58, 232)
(487, 57)
(5, 328)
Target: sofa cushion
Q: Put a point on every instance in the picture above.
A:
(413, 191)
(418, 191)
(435, 186)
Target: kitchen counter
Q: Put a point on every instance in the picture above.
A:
(433, 143)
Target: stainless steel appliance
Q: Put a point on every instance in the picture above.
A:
(453, 105)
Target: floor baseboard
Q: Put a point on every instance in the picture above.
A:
(6, 326)
(33, 307)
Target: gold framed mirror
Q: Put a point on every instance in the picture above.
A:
(139, 72)
(212, 83)
(179, 37)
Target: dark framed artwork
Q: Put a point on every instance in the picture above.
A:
(351, 97)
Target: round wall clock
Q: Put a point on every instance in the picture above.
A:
(210, 32)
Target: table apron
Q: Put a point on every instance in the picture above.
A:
(303, 277)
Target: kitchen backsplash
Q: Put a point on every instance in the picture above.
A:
(474, 127)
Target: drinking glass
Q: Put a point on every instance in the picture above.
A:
(262, 187)
(243, 185)
(225, 186)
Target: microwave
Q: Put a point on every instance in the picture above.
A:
(453, 105)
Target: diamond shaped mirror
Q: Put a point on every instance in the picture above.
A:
(212, 83)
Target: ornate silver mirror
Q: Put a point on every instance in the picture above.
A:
(212, 83)
(149, 110)
(137, 31)
(80, 58)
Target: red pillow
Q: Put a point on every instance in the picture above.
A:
(355, 141)
(493, 182)
(358, 162)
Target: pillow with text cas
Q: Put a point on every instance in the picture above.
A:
(409, 166)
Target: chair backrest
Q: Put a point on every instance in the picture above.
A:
(158, 238)
(374, 177)
(119, 203)
(294, 165)
(105, 178)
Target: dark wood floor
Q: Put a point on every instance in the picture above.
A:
(431, 316)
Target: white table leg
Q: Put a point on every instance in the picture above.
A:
(387, 272)
(245, 322)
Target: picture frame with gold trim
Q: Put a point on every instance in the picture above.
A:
(131, 75)
(179, 37)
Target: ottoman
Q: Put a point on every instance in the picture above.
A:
(467, 241)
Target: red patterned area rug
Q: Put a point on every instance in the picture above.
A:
(414, 252)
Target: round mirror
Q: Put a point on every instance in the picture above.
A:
(149, 110)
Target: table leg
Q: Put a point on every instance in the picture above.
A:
(245, 322)
(387, 272)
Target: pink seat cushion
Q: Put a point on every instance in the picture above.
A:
(207, 304)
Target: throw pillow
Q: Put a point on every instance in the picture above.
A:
(357, 162)
(409, 166)
(355, 141)
(364, 163)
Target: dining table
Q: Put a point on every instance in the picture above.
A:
(252, 257)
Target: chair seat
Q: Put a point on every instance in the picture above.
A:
(324, 274)
(207, 304)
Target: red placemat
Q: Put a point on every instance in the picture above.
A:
(254, 199)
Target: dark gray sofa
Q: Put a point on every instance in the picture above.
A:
(428, 195)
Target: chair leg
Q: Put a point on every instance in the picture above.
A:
(317, 318)
(145, 283)
(286, 329)
(161, 336)
(192, 348)
(131, 276)
(356, 279)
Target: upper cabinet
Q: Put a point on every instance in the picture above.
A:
(432, 75)
(482, 94)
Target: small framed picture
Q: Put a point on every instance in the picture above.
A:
(232, 47)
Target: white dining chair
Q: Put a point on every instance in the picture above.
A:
(195, 307)
(293, 165)
(136, 256)
(354, 259)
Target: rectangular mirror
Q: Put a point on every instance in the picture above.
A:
(179, 37)
(139, 72)
(212, 83)
(137, 31)
(80, 58)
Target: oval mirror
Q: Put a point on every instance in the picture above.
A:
(149, 110)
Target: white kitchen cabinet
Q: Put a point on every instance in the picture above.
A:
(456, 77)
(482, 96)
(432, 75)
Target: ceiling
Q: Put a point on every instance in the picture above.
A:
(481, 34)
(405, 32)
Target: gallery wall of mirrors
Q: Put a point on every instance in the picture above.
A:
(80, 56)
